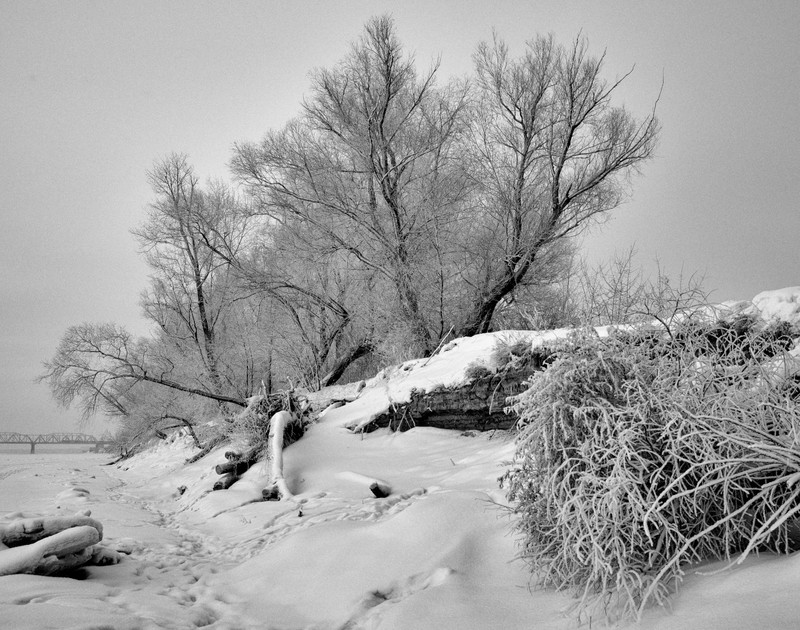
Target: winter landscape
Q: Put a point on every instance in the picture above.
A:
(412, 315)
(437, 552)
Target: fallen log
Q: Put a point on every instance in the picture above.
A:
(239, 462)
(226, 481)
(238, 468)
(277, 428)
(378, 487)
(31, 530)
(58, 552)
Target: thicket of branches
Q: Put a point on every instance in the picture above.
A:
(397, 208)
(647, 450)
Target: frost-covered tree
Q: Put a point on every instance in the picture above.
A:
(549, 152)
(190, 286)
(392, 212)
(95, 364)
(363, 171)
(452, 202)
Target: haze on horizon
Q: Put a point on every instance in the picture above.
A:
(94, 92)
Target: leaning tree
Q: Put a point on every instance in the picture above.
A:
(548, 151)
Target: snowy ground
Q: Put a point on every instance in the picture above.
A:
(437, 553)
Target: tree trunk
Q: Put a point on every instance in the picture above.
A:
(358, 351)
(480, 318)
(189, 390)
(210, 445)
(277, 427)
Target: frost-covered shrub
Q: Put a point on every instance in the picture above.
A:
(642, 452)
(742, 339)
(510, 355)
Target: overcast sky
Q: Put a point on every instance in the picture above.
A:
(91, 93)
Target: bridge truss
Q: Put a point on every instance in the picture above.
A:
(53, 438)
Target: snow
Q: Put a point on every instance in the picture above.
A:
(438, 552)
(781, 304)
(394, 385)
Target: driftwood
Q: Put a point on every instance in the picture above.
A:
(237, 468)
(52, 545)
(378, 487)
(236, 465)
(226, 481)
(31, 530)
(239, 462)
(277, 429)
(61, 551)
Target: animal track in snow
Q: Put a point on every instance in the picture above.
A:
(373, 605)
(318, 510)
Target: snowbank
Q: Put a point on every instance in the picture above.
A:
(436, 553)
(781, 305)
(393, 385)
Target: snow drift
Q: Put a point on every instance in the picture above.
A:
(436, 553)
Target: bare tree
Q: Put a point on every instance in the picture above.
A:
(97, 364)
(190, 289)
(390, 213)
(360, 164)
(549, 153)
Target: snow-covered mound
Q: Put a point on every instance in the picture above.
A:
(780, 305)
(394, 385)
(435, 554)
(769, 306)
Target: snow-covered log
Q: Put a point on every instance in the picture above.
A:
(378, 487)
(235, 467)
(277, 428)
(61, 551)
(30, 530)
(226, 481)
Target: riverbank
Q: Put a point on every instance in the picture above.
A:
(437, 553)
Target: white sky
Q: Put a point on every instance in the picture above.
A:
(91, 93)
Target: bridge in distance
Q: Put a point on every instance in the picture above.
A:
(55, 438)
